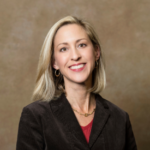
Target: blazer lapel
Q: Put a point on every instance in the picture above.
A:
(100, 119)
(64, 113)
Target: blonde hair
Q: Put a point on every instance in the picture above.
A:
(48, 86)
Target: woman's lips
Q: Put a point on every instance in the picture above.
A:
(78, 69)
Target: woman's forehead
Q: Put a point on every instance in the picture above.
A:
(69, 33)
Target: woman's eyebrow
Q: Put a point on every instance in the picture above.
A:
(80, 40)
(62, 43)
(65, 43)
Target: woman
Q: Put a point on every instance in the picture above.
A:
(69, 113)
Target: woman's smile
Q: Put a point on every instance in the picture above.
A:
(77, 68)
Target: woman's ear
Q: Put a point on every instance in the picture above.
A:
(97, 52)
(54, 64)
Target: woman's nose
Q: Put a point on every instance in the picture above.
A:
(75, 54)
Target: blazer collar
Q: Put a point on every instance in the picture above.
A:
(64, 113)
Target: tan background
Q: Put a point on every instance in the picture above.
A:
(124, 30)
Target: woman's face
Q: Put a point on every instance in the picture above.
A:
(72, 46)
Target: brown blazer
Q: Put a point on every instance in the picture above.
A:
(53, 126)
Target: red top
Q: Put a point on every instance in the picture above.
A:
(87, 130)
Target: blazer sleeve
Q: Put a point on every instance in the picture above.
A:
(30, 135)
(130, 139)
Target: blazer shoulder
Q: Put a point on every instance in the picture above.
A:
(37, 107)
(114, 109)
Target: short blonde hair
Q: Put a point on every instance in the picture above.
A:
(48, 86)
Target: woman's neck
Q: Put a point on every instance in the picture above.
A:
(82, 101)
(78, 97)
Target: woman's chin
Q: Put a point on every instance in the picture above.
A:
(79, 80)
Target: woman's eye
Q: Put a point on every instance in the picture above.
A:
(82, 45)
(63, 49)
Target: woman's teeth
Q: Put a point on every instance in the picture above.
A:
(77, 67)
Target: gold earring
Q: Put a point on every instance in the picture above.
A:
(96, 64)
(57, 75)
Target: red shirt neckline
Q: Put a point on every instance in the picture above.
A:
(87, 130)
(87, 126)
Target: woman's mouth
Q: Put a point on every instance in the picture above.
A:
(78, 67)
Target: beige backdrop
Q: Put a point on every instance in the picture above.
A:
(124, 30)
